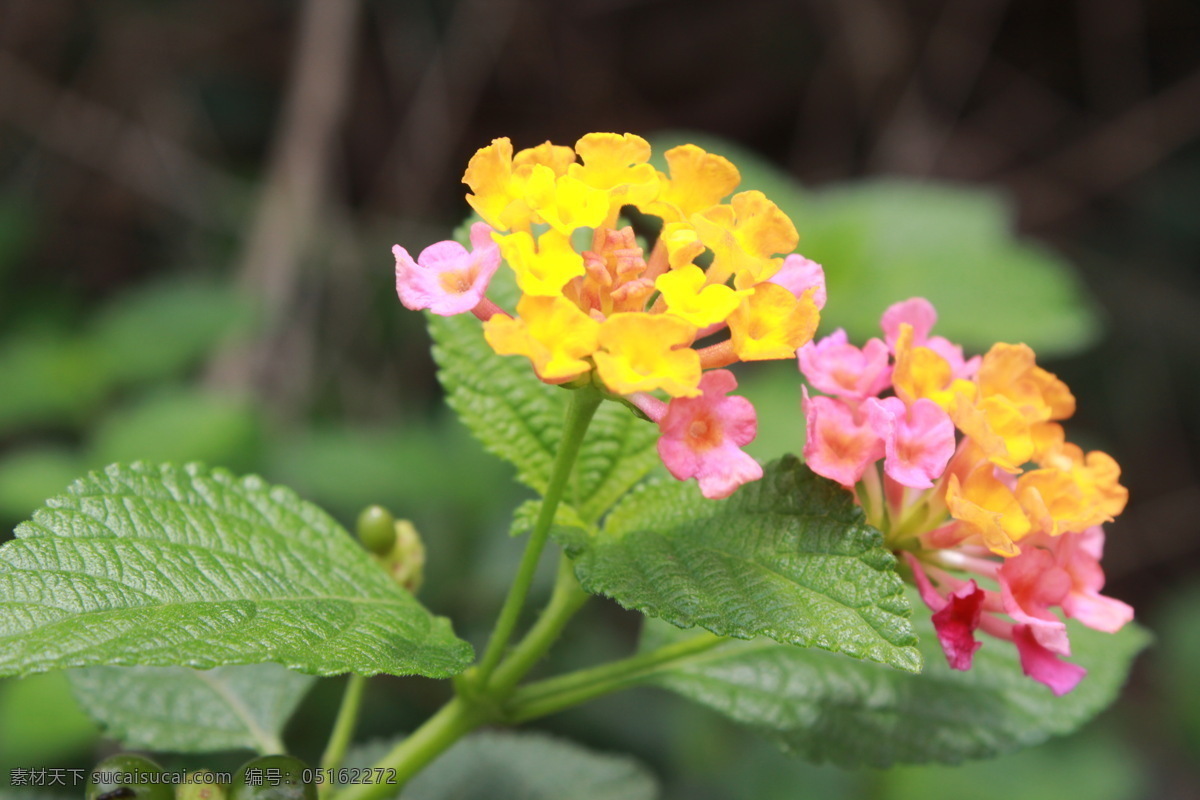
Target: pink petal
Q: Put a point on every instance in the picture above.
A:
(1030, 583)
(956, 622)
(1044, 666)
(701, 437)
(916, 311)
(838, 447)
(798, 274)
(918, 441)
(1080, 553)
(836, 367)
(445, 278)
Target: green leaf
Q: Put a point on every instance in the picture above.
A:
(787, 557)
(30, 475)
(884, 241)
(179, 425)
(181, 710)
(825, 707)
(519, 418)
(521, 766)
(158, 329)
(169, 566)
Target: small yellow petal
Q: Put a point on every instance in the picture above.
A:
(643, 352)
(688, 297)
(556, 157)
(551, 332)
(616, 164)
(699, 180)
(542, 272)
(772, 323)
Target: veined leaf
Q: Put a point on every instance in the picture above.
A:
(519, 418)
(170, 566)
(182, 710)
(787, 557)
(521, 766)
(826, 707)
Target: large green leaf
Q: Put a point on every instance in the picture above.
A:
(170, 566)
(519, 418)
(182, 710)
(827, 707)
(887, 240)
(787, 557)
(521, 766)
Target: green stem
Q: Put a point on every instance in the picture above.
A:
(437, 734)
(568, 597)
(583, 404)
(555, 694)
(343, 729)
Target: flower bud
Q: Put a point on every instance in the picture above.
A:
(406, 562)
(126, 776)
(200, 785)
(376, 530)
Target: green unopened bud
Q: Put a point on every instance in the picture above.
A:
(200, 785)
(376, 530)
(127, 776)
(273, 778)
(406, 562)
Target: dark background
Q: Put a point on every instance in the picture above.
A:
(264, 155)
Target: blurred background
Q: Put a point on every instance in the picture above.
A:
(197, 201)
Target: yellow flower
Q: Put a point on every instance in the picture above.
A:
(744, 236)
(1009, 370)
(772, 323)
(920, 372)
(699, 181)
(988, 508)
(545, 270)
(1072, 492)
(643, 352)
(687, 296)
(616, 164)
(551, 332)
(565, 203)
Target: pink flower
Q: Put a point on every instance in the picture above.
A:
(445, 278)
(955, 616)
(918, 440)
(1030, 583)
(1078, 555)
(956, 622)
(920, 313)
(838, 368)
(702, 436)
(798, 274)
(1044, 666)
(840, 446)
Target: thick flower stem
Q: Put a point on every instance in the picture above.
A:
(583, 405)
(343, 729)
(456, 719)
(567, 598)
(556, 694)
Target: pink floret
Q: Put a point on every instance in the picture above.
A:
(446, 278)
(702, 436)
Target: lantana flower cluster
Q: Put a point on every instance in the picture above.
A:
(964, 465)
(717, 287)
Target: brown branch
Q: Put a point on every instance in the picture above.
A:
(121, 148)
(1112, 155)
(287, 219)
